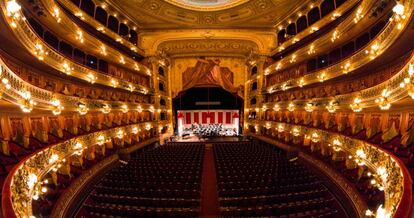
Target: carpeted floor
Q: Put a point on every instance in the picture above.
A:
(209, 196)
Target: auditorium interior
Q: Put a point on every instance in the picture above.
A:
(206, 108)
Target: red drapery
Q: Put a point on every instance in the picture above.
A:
(196, 117)
(220, 117)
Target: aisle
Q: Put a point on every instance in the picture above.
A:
(209, 196)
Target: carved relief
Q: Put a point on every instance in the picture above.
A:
(234, 47)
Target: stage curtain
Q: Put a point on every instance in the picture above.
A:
(220, 117)
(212, 117)
(196, 117)
(187, 118)
(204, 117)
(228, 117)
(208, 73)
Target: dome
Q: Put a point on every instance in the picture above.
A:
(207, 5)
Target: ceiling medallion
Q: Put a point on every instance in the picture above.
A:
(207, 5)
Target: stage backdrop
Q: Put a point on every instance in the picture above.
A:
(225, 117)
(233, 73)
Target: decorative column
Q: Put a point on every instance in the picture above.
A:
(254, 74)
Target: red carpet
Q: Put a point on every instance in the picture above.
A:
(209, 196)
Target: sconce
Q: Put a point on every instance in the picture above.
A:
(82, 109)
(26, 103)
(309, 107)
(356, 105)
(291, 107)
(106, 109)
(331, 107)
(383, 101)
(57, 107)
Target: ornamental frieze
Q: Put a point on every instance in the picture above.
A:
(242, 47)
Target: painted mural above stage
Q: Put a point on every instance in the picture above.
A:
(209, 73)
(180, 65)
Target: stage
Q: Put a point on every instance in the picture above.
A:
(211, 139)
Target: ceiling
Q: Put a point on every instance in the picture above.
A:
(207, 5)
(191, 14)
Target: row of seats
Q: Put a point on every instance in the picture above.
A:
(360, 180)
(255, 179)
(161, 182)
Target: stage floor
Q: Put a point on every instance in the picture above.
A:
(212, 139)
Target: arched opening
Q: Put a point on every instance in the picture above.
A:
(163, 102)
(254, 86)
(313, 16)
(101, 15)
(327, 7)
(254, 70)
(281, 36)
(291, 29)
(208, 105)
(160, 71)
(113, 23)
(89, 7)
(253, 101)
(133, 37)
(123, 30)
(302, 23)
(161, 86)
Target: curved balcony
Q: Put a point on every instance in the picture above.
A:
(353, 83)
(345, 26)
(66, 86)
(26, 182)
(29, 97)
(311, 25)
(381, 43)
(89, 61)
(96, 20)
(76, 35)
(39, 49)
(333, 56)
(398, 87)
(389, 172)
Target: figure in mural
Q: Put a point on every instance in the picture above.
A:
(208, 73)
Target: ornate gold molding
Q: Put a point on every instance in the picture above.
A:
(378, 45)
(208, 47)
(91, 21)
(41, 50)
(353, 195)
(358, 203)
(368, 96)
(71, 193)
(202, 7)
(44, 98)
(393, 172)
(264, 40)
(26, 178)
(159, 14)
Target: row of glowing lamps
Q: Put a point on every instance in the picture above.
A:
(99, 28)
(312, 29)
(27, 104)
(91, 78)
(383, 101)
(78, 148)
(103, 51)
(13, 11)
(377, 180)
(373, 52)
